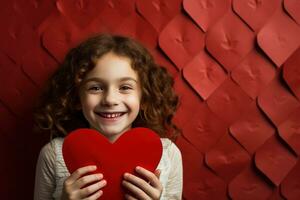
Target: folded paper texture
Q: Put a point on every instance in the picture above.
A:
(249, 185)
(230, 40)
(279, 38)
(256, 13)
(275, 160)
(206, 13)
(236, 70)
(291, 73)
(181, 40)
(204, 74)
(252, 129)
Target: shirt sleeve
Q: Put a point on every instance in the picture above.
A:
(45, 174)
(173, 188)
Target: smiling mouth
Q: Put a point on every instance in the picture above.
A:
(111, 115)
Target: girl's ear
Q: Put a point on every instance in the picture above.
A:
(142, 106)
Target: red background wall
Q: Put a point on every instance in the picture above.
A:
(236, 66)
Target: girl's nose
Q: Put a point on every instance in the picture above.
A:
(110, 98)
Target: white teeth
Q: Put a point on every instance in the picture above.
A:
(110, 115)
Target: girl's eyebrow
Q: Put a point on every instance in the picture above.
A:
(102, 80)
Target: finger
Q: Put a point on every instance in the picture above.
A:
(87, 191)
(129, 197)
(94, 196)
(136, 191)
(139, 182)
(151, 177)
(157, 173)
(81, 182)
(81, 171)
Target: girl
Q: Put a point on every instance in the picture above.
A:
(111, 84)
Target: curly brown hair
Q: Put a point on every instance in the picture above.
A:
(58, 110)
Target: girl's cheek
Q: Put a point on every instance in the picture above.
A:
(89, 101)
(134, 101)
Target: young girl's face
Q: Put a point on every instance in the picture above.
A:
(110, 96)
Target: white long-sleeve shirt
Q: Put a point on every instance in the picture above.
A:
(51, 171)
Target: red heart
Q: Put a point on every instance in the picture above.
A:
(136, 147)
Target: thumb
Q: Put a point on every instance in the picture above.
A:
(157, 173)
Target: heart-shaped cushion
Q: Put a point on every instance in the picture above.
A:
(136, 147)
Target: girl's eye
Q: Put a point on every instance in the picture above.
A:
(125, 87)
(95, 88)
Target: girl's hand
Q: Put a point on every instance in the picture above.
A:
(141, 189)
(74, 185)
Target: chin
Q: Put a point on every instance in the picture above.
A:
(111, 132)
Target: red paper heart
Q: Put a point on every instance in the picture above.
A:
(137, 147)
